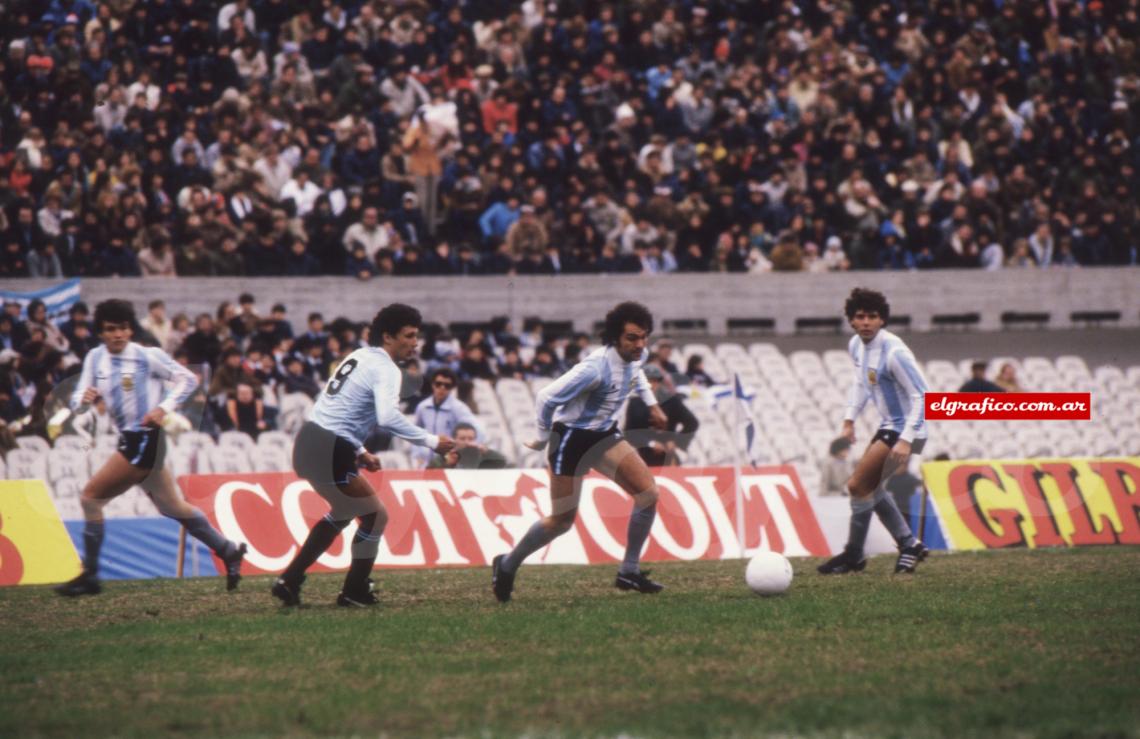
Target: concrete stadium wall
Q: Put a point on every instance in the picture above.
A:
(716, 298)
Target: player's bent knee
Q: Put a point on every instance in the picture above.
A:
(646, 498)
(559, 525)
(381, 517)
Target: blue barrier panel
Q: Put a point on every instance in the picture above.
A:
(139, 548)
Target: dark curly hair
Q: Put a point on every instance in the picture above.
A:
(623, 313)
(391, 320)
(870, 301)
(114, 311)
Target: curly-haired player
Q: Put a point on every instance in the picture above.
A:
(887, 374)
(577, 416)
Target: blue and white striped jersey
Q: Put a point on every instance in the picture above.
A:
(592, 392)
(887, 374)
(364, 393)
(133, 382)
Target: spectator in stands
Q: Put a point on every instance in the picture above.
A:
(82, 340)
(202, 345)
(837, 468)
(476, 364)
(13, 331)
(695, 371)
(511, 365)
(659, 447)
(245, 322)
(246, 412)
(978, 382)
(157, 258)
(545, 363)
(8, 339)
(1007, 379)
(38, 321)
(298, 378)
(663, 351)
(868, 113)
(230, 373)
(179, 330)
(77, 316)
(441, 411)
(469, 454)
(369, 233)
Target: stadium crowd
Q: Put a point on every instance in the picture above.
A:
(249, 361)
(277, 137)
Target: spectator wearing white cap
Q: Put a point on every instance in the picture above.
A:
(290, 54)
(834, 258)
(241, 8)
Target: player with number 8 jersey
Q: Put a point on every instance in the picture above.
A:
(362, 394)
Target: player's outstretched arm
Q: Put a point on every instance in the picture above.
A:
(388, 415)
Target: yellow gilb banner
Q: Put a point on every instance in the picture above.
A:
(996, 504)
(34, 545)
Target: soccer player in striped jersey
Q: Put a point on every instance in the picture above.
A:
(886, 374)
(577, 417)
(141, 386)
(362, 394)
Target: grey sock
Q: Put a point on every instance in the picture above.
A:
(888, 512)
(861, 510)
(200, 528)
(92, 543)
(640, 522)
(536, 538)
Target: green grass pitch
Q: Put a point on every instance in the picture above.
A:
(1020, 643)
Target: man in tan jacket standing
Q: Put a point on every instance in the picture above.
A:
(425, 167)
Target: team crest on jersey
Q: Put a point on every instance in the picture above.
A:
(872, 377)
(128, 382)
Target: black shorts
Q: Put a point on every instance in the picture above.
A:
(889, 437)
(575, 452)
(145, 448)
(322, 457)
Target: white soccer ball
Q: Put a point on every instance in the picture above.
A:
(768, 573)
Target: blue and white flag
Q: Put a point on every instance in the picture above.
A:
(58, 299)
(742, 413)
(744, 407)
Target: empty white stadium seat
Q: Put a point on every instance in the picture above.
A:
(33, 443)
(65, 493)
(67, 463)
(269, 460)
(194, 440)
(73, 441)
(278, 439)
(27, 464)
(237, 440)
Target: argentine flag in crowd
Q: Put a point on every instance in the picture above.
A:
(58, 299)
